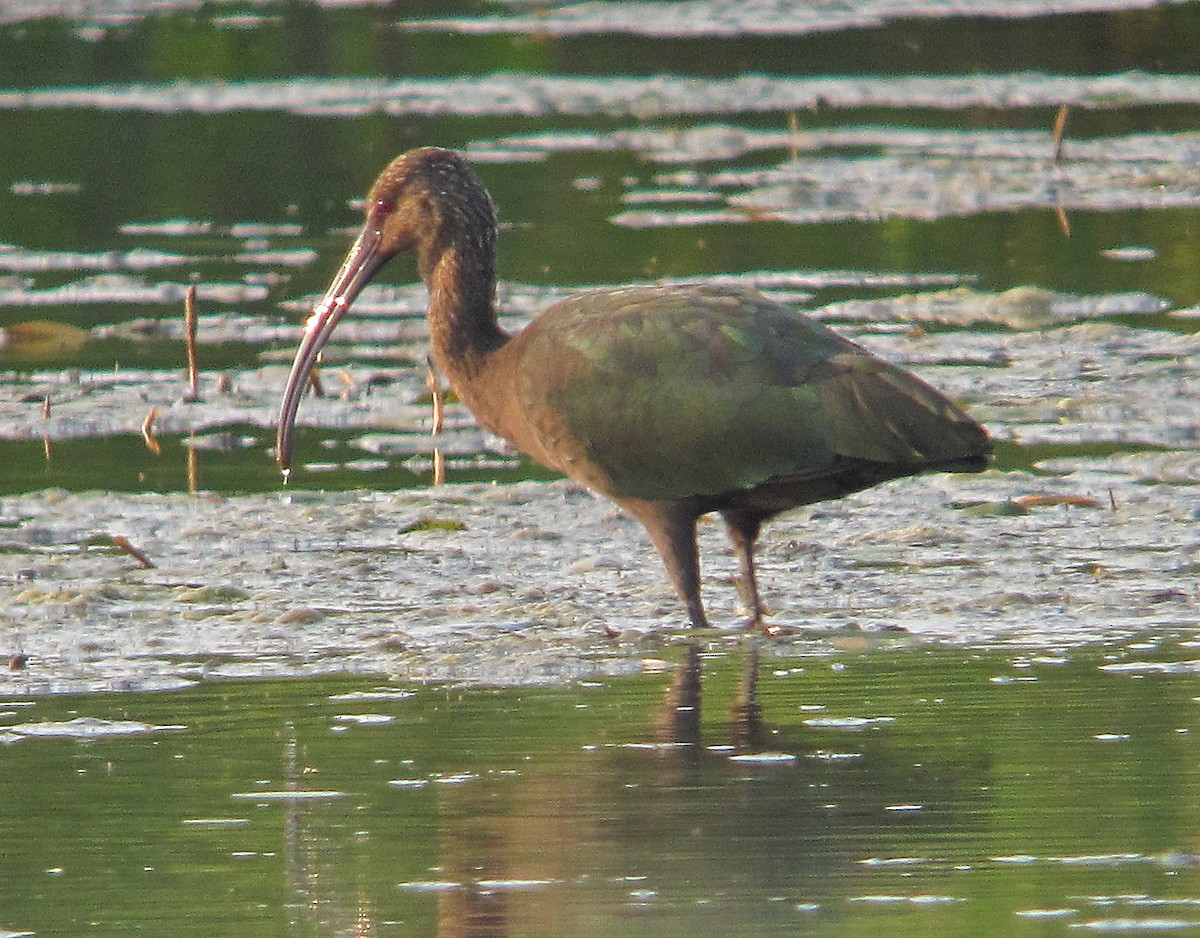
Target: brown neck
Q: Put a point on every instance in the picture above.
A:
(462, 314)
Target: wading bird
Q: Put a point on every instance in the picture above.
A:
(672, 401)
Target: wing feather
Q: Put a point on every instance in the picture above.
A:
(662, 393)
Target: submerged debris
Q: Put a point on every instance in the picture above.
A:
(123, 542)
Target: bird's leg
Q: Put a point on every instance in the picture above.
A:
(672, 529)
(743, 532)
(746, 712)
(681, 713)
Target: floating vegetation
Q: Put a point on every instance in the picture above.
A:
(537, 95)
(722, 18)
(1031, 624)
(32, 187)
(122, 288)
(41, 339)
(87, 728)
(433, 524)
(1081, 374)
(290, 795)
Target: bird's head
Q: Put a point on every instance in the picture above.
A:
(425, 200)
(428, 200)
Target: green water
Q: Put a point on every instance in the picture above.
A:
(157, 159)
(1035, 775)
(983, 793)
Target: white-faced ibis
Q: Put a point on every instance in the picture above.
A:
(672, 401)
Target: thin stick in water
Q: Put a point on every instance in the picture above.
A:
(152, 443)
(349, 385)
(1064, 223)
(193, 465)
(1060, 125)
(189, 331)
(123, 542)
(46, 436)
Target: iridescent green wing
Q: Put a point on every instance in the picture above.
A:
(669, 392)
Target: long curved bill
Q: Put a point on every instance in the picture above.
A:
(361, 264)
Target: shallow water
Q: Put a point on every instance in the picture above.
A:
(336, 708)
(943, 791)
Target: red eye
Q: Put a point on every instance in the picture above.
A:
(383, 207)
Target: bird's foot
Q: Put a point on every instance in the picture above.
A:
(772, 629)
(758, 623)
(696, 614)
(756, 620)
(755, 608)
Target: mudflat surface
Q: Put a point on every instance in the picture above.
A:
(542, 582)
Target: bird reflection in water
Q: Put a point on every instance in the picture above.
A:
(680, 718)
(566, 836)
